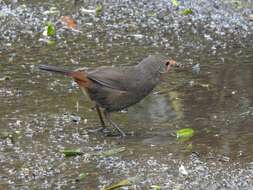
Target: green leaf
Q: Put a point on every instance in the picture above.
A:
(99, 9)
(175, 3)
(185, 133)
(71, 152)
(122, 183)
(187, 11)
(156, 187)
(49, 29)
(111, 151)
(81, 176)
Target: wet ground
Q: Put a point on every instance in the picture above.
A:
(211, 92)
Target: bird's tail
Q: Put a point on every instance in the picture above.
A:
(79, 76)
(55, 69)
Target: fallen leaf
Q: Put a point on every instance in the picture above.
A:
(99, 9)
(71, 152)
(175, 3)
(122, 183)
(187, 11)
(69, 22)
(111, 151)
(156, 187)
(185, 133)
(49, 29)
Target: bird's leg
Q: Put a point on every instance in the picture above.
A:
(100, 116)
(108, 117)
(103, 126)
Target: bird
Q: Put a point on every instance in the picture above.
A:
(113, 89)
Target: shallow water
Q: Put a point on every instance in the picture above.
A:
(211, 92)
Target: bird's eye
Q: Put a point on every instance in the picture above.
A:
(170, 62)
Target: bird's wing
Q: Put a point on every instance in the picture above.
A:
(111, 77)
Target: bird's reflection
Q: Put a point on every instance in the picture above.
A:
(153, 109)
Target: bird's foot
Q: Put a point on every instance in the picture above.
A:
(103, 130)
(121, 133)
(116, 132)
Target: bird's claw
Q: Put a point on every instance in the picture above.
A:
(106, 132)
(100, 129)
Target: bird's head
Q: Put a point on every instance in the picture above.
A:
(156, 65)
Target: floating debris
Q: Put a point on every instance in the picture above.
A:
(88, 11)
(182, 170)
(5, 78)
(76, 119)
(52, 11)
(137, 36)
(196, 68)
(250, 17)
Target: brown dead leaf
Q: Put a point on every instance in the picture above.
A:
(69, 22)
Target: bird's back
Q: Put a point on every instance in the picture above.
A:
(116, 88)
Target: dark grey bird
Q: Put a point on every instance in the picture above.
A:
(116, 88)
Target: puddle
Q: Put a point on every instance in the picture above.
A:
(211, 93)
